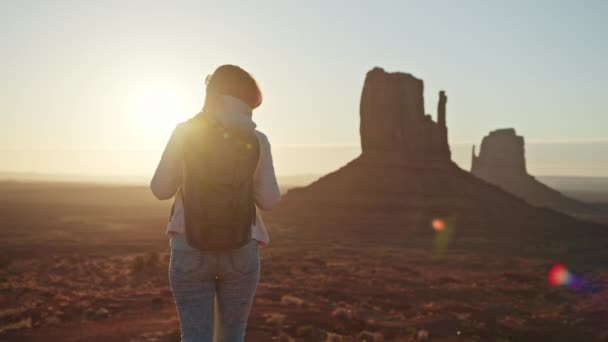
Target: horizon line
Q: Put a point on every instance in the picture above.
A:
(573, 141)
(9, 173)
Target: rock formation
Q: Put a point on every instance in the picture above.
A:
(404, 179)
(393, 121)
(501, 161)
(443, 100)
(502, 152)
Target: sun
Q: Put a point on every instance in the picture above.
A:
(159, 110)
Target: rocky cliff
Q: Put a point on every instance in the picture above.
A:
(404, 179)
(502, 161)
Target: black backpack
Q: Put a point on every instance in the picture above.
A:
(217, 191)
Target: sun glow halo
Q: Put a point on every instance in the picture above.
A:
(159, 110)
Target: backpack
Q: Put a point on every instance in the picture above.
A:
(217, 191)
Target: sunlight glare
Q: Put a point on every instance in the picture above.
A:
(159, 110)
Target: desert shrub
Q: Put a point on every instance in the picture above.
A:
(292, 300)
(138, 264)
(309, 332)
(332, 337)
(25, 323)
(342, 314)
(283, 337)
(422, 335)
(174, 335)
(95, 314)
(304, 331)
(152, 259)
(368, 336)
(275, 320)
(147, 262)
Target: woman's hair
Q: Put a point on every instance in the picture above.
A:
(233, 81)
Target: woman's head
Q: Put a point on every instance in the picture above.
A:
(233, 81)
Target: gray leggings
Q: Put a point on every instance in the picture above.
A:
(213, 290)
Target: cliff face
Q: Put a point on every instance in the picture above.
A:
(393, 123)
(502, 162)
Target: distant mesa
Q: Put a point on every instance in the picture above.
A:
(501, 154)
(404, 179)
(502, 161)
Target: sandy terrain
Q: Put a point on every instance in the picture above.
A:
(89, 263)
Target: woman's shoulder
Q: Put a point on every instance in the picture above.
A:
(181, 127)
(186, 126)
(262, 138)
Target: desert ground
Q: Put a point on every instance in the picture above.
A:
(89, 263)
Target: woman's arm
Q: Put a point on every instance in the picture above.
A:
(168, 176)
(265, 186)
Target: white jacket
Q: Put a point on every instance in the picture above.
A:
(167, 179)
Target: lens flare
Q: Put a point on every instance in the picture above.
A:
(444, 230)
(559, 275)
(438, 225)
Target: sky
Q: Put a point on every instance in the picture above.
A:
(96, 87)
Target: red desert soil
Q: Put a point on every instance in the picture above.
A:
(91, 265)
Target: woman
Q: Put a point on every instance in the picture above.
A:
(214, 289)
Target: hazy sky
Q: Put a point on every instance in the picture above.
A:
(95, 87)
